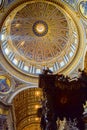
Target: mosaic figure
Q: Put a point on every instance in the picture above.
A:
(4, 84)
(83, 8)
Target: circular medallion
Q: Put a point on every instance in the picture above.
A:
(40, 28)
(83, 8)
(5, 84)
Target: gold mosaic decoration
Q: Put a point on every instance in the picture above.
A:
(5, 84)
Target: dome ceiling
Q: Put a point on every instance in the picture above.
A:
(39, 34)
(40, 31)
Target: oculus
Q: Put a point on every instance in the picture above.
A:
(40, 28)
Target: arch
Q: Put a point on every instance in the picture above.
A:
(18, 90)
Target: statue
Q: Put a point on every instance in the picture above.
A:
(47, 71)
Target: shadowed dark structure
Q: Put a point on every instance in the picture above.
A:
(62, 98)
